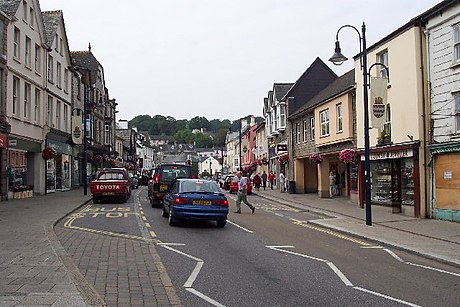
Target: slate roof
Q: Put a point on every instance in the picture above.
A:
(51, 21)
(9, 7)
(340, 85)
(280, 89)
(310, 83)
(88, 60)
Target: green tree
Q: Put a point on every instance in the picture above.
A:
(219, 137)
(203, 141)
(184, 136)
(199, 122)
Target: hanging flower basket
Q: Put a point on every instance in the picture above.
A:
(48, 153)
(347, 155)
(283, 159)
(316, 157)
(97, 159)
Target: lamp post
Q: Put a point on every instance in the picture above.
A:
(338, 58)
(239, 137)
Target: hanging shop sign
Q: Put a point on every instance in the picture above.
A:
(378, 103)
(281, 148)
(77, 132)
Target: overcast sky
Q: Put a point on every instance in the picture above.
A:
(217, 58)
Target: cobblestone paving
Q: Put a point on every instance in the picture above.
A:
(123, 271)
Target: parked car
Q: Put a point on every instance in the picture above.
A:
(233, 187)
(133, 182)
(163, 176)
(195, 199)
(225, 182)
(111, 184)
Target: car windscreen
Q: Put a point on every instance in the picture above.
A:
(170, 172)
(190, 186)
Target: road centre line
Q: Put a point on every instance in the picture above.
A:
(341, 275)
(386, 296)
(241, 227)
(204, 297)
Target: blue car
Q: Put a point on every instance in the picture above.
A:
(195, 199)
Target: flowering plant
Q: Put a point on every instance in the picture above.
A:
(316, 157)
(98, 159)
(48, 153)
(347, 155)
(283, 159)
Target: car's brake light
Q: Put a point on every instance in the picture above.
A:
(157, 178)
(221, 202)
(151, 181)
(193, 177)
(181, 201)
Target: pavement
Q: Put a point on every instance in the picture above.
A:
(433, 239)
(35, 268)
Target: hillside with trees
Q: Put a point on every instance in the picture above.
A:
(199, 130)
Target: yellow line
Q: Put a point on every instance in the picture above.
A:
(147, 225)
(144, 218)
(329, 232)
(153, 234)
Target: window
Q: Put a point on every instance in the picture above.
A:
(383, 58)
(324, 119)
(339, 117)
(275, 118)
(38, 55)
(457, 44)
(387, 125)
(28, 52)
(26, 100)
(107, 134)
(2, 28)
(58, 115)
(457, 112)
(66, 117)
(66, 80)
(31, 18)
(297, 133)
(56, 41)
(236, 162)
(50, 68)
(271, 122)
(282, 121)
(25, 10)
(15, 95)
(37, 105)
(17, 43)
(304, 129)
(88, 125)
(61, 46)
(312, 128)
(49, 110)
(58, 74)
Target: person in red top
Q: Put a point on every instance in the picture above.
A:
(257, 181)
(271, 177)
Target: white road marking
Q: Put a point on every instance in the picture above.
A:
(386, 296)
(204, 297)
(393, 255)
(188, 284)
(339, 274)
(192, 277)
(434, 269)
(241, 227)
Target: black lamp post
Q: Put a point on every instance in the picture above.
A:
(239, 136)
(338, 58)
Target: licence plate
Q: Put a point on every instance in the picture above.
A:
(163, 187)
(202, 202)
(108, 193)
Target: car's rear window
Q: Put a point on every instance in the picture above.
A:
(111, 176)
(199, 186)
(170, 172)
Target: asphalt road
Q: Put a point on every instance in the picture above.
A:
(274, 258)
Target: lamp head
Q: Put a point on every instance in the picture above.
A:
(338, 58)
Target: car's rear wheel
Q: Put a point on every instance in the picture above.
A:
(221, 223)
(172, 220)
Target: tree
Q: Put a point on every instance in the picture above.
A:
(203, 141)
(219, 137)
(184, 136)
(199, 122)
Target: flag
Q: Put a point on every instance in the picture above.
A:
(378, 102)
(77, 133)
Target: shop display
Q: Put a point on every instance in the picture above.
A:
(407, 183)
(384, 188)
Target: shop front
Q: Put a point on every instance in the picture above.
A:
(394, 179)
(445, 164)
(21, 164)
(58, 169)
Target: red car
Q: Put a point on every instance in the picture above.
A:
(234, 187)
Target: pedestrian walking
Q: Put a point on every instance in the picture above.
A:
(242, 193)
(281, 181)
(257, 181)
(271, 177)
(331, 183)
(264, 180)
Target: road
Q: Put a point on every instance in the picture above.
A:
(271, 258)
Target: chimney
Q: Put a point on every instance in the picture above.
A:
(253, 120)
(244, 122)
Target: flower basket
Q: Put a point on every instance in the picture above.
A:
(97, 159)
(384, 138)
(283, 159)
(347, 155)
(48, 153)
(316, 158)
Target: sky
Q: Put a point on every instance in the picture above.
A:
(218, 58)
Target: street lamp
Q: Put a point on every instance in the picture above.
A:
(338, 58)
